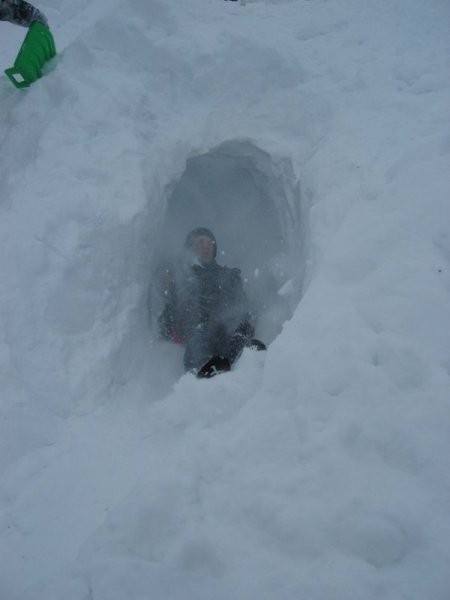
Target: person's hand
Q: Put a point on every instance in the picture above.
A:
(255, 344)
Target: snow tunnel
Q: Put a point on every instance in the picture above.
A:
(252, 204)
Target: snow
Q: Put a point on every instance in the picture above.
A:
(318, 469)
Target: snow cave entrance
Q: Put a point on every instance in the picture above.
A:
(252, 205)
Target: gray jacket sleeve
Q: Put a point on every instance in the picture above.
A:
(238, 306)
(20, 12)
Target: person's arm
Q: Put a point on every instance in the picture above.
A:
(20, 12)
(244, 332)
(168, 321)
(244, 315)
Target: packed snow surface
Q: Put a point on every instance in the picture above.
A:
(314, 138)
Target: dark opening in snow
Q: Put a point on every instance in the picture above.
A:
(252, 205)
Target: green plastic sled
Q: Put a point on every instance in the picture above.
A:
(37, 48)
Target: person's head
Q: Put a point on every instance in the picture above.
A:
(202, 243)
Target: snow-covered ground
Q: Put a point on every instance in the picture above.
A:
(316, 470)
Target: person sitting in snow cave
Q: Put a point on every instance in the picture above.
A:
(206, 308)
(20, 13)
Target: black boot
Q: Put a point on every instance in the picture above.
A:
(214, 366)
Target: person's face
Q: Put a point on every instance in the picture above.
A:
(203, 247)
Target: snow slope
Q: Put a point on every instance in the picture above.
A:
(318, 470)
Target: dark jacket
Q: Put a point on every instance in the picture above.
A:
(208, 295)
(20, 13)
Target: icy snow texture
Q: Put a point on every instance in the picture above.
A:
(318, 470)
